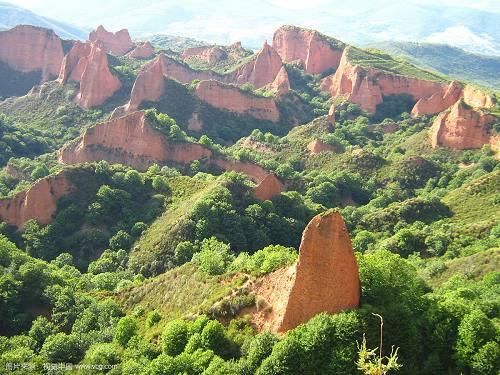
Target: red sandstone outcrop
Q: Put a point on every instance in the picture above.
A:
(195, 123)
(331, 115)
(324, 279)
(317, 146)
(461, 127)
(478, 98)
(29, 49)
(87, 63)
(129, 140)
(268, 185)
(367, 87)
(260, 71)
(439, 101)
(281, 84)
(312, 49)
(39, 202)
(233, 99)
(118, 43)
(143, 50)
(150, 83)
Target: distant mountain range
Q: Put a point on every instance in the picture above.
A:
(451, 61)
(12, 15)
(472, 26)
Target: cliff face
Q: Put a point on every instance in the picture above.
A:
(129, 140)
(214, 54)
(317, 146)
(281, 84)
(118, 43)
(232, 99)
(29, 49)
(87, 63)
(39, 202)
(461, 127)
(367, 87)
(260, 71)
(324, 279)
(309, 47)
(150, 84)
(143, 50)
(268, 185)
(439, 101)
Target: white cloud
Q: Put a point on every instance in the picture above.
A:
(461, 36)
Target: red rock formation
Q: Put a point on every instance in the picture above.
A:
(268, 185)
(143, 50)
(367, 87)
(233, 99)
(87, 63)
(118, 43)
(331, 115)
(281, 84)
(260, 71)
(129, 140)
(439, 101)
(317, 146)
(478, 98)
(324, 279)
(461, 127)
(150, 83)
(310, 47)
(39, 202)
(195, 123)
(268, 188)
(29, 49)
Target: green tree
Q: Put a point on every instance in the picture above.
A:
(125, 329)
(175, 337)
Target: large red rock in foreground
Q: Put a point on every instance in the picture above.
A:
(29, 49)
(368, 86)
(315, 51)
(461, 127)
(118, 43)
(231, 98)
(324, 279)
(132, 141)
(39, 202)
(87, 63)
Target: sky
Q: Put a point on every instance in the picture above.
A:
(227, 21)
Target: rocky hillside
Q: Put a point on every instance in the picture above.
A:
(210, 209)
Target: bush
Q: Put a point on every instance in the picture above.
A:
(214, 256)
(125, 329)
(63, 348)
(175, 337)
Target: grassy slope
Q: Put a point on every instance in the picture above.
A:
(386, 63)
(475, 205)
(454, 62)
(159, 238)
(180, 292)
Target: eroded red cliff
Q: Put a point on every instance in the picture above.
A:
(118, 43)
(150, 82)
(143, 50)
(87, 63)
(461, 127)
(324, 279)
(260, 71)
(39, 202)
(132, 141)
(231, 98)
(478, 98)
(439, 101)
(29, 49)
(315, 51)
(367, 87)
